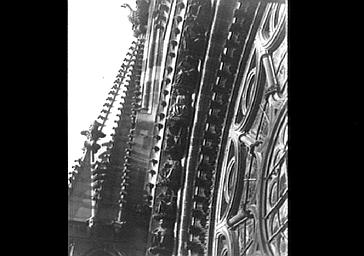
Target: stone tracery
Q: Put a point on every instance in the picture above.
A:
(239, 188)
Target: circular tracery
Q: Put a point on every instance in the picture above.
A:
(229, 178)
(274, 194)
(250, 95)
(222, 246)
(273, 26)
(257, 176)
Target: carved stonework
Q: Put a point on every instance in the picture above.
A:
(110, 176)
(251, 203)
(273, 197)
(202, 170)
(138, 17)
(178, 121)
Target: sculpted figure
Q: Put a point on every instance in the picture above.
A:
(169, 143)
(139, 17)
(162, 241)
(172, 178)
(187, 76)
(175, 149)
(162, 235)
(179, 115)
(195, 39)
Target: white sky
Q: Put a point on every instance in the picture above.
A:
(99, 36)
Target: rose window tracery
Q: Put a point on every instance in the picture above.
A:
(274, 193)
(252, 196)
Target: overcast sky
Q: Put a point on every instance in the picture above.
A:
(99, 36)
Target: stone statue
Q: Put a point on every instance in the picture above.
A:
(180, 111)
(187, 76)
(195, 39)
(172, 177)
(162, 236)
(133, 16)
(138, 17)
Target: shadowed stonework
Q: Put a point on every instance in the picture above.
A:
(197, 163)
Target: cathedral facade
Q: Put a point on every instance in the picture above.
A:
(196, 163)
